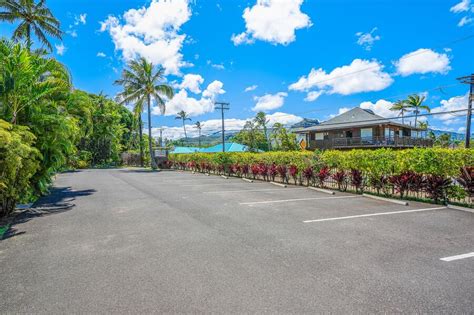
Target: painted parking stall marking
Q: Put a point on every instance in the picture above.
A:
(294, 200)
(373, 214)
(250, 190)
(457, 257)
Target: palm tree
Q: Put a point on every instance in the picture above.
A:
(141, 84)
(183, 116)
(33, 17)
(261, 120)
(416, 102)
(198, 125)
(402, 107)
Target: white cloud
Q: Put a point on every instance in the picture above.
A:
(251, 88)
(191, 105)
(80, 19)
(367, 40)
(273, 21)
(214, 125)
(101, 54)
(312, 96)
(60, 49)
(461, 6)
(192, 82)
(359, 76)
(213, 90)
(381, 108)
(454, 103)
(423, 61)
(152, 32)
(73, 33)
(465, 21)
(218, 66)
(269, 101)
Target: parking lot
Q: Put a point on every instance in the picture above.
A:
(179, 242)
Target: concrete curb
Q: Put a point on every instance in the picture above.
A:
(454, 207)
(326, 191)
(399, 202)
(207, 174)
(247, 180)
(223, 176)
(278, 184)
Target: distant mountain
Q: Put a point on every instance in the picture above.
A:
(208, 140)
(454, 135)
(305, 123)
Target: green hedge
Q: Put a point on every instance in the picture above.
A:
(19, 161)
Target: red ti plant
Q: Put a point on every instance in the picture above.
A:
(281, 169)
(272, 171)
(255, 170)
(402, 182)
(341, 179)
(236, 169)
(418, 183)
(293, 170)
(357, 180)
(308, 174)
(323, 174)
(466, 179)
(245, 170)
(263, 170)
(379, 182)
(436, 187)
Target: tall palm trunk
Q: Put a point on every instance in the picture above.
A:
(403, 115)
(199, 137)
(28, 38)
(150, 147)
(184, 127)
(140, 132)
(416, 116)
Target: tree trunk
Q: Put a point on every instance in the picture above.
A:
(199, 137)
(150, 147)
(140, 131)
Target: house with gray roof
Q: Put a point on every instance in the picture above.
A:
(362, 128)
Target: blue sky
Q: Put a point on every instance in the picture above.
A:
(296, 58)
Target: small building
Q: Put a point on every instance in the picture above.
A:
(229, 147)
(362, 128)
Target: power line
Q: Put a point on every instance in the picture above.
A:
(468, 80)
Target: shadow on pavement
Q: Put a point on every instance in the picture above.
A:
(59, 200)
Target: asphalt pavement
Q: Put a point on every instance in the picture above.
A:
(138, 241)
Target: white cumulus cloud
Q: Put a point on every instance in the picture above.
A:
(192, 82)
(269, 101)
(381, 108)
(465, 21)
(273, 21)
(60, 49)
(423, 61)
(101, 54)
(359, 76)
(152, 32)
(454, 103)
(367, 40)
(461, 6)
(251, 88)
(312, 96)
(193, 106)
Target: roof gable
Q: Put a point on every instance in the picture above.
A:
(353, 115)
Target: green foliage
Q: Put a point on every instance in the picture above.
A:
(19, 161)
(252, 137)
(283, 140)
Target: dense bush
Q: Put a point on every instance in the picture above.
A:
(19, 161)
(433, 171)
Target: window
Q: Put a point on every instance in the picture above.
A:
(319, 136)
(366, 133)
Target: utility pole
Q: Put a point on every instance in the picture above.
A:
(222, 107)
(468, 80)
(161, 137)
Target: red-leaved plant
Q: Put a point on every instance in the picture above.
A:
(341, 180)
(272, 171)
(293, 170)
(466, 179)
(323, 175)
(263, 170)
(357, 180)
(402, 182)
(281, 169)
(436, 187)
(255, 170)
(245, 170)
(308, 174)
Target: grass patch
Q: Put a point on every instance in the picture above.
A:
(3, 230)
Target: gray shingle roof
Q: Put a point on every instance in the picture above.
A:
(356, 117)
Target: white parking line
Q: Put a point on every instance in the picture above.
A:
(249, 190)
(373, 214)
(216, 184)
(457, 257)
(291, 200)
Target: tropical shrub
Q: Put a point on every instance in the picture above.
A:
(19, 161)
